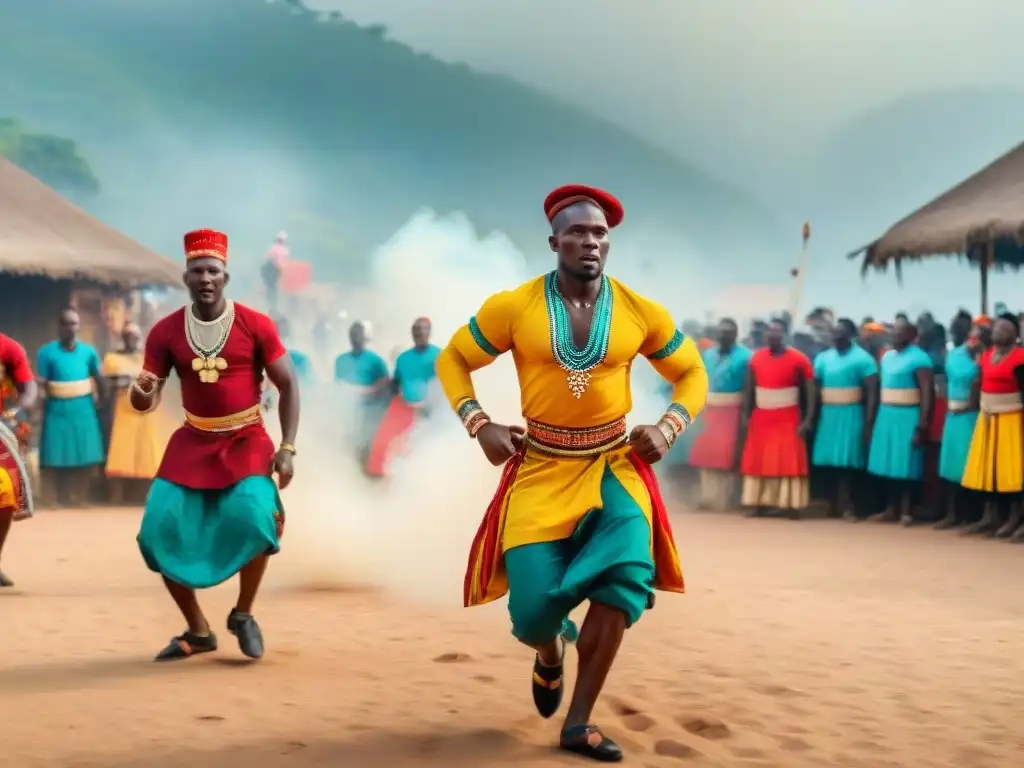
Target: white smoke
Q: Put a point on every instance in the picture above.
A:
(409, 534)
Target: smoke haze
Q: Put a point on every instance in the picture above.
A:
(344, 530)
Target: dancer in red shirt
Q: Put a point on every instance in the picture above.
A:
(15, 491)
(214, 510)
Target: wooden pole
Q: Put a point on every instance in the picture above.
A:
(986, 259)
(801, 273)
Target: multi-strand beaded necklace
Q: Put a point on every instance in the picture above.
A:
(207, 338)
(577, 363)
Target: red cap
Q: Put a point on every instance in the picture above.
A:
(571, 194)
(206, 243)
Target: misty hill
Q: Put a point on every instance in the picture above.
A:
(892, 159)
(253, 117)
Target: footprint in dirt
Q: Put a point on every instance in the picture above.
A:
(676, 749)
(453, 658)
(706, 727)
(632, 718)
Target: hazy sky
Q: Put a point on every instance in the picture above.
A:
(800, 66)
(747, 89)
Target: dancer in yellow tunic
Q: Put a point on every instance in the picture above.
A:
(137, 440)
(577, 514)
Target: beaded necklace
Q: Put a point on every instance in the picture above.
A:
(577, 363)
(207, 338)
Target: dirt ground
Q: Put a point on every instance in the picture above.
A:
(799, 644)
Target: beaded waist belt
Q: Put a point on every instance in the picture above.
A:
(67, 390)
(228, 423)
(579, 442)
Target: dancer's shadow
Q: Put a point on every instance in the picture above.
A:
(80, 673)
(445, 748)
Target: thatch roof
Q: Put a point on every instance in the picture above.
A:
(986, 208)
(41, 233)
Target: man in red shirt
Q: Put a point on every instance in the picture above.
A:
(15, 493)
(213, 509)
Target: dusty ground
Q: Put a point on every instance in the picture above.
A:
(800, 644)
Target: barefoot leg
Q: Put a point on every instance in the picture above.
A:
(600, 638)
(6, 518)
(188, 604)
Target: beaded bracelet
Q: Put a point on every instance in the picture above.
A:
(673, 423)
(472, 416)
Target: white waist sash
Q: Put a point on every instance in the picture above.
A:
(901, 396)
(957, 406)
(66, 390)
(1001, 403)
(774, 399)
(841, 395)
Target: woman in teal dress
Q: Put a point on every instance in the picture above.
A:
(72, 440)
(847, 383)
(901, 428)
(963, 384)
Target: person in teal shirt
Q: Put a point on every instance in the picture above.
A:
(71, 445)
(414, 368)
(963, 393)
(365, 374)
(300, 361)
(414, 387)
(847, 400)
(901, 427)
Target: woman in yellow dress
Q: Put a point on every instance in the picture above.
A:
(137, 440)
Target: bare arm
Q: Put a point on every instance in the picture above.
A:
(282, 375)
(974, 398)
(28, 394)
(748, 395)
(925, 382)
(812, 394)
(870, 399)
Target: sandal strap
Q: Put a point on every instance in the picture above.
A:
(581, 730)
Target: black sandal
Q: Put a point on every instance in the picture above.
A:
(577, 740)
(187, 644)
(250, 638)
(548, 685)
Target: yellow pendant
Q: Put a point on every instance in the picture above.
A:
(578, 382)
(209, 368)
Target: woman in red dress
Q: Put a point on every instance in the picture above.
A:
(774, 463)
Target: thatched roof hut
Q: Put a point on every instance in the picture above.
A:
(981, 219)
(41, 233)
(53, 254)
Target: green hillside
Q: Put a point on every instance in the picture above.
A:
(254, 116)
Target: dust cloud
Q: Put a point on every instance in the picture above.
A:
(408, 535)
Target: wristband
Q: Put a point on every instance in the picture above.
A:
(472, 416)
(668, 431)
